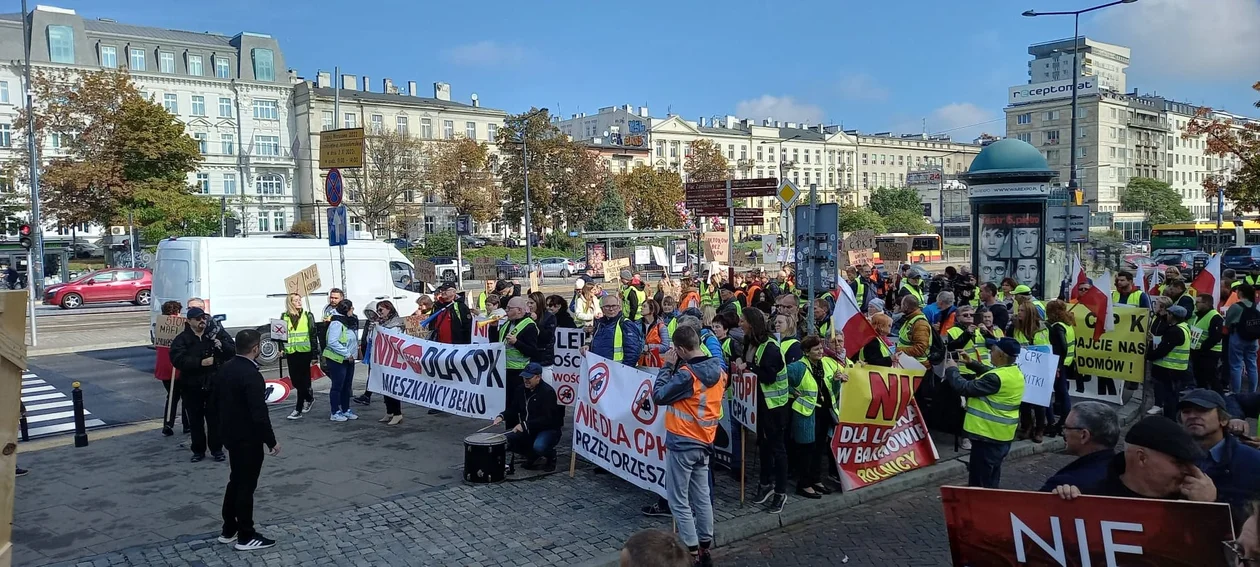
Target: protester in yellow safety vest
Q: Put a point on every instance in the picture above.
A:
(721, 326)
(709, 290)
(785, 330)
(989, 330)
(614, 337)
(1063, 344)
(342, 340)
(763, 357)
(992, 408)
(633, 294)
(1023, 294)
(912, 286)
(519, 335)
(1170, 361)
(481, 298)
(1205, 343)
(690, 388)
(814, 381)
(1028, 331)
(730, 301)
(300, 351)
(915, 336)
(964, 335)
(1126, 293)
(822, 318)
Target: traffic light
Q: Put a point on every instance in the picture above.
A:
(25, 236)
(231, 227)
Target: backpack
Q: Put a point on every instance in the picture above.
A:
(1248, 326)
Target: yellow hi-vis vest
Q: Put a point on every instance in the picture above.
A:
(709, 295)
(776, 394)
(1070, 334)
(977, 341)
(516, 360)
(331, 354)
(904, 337)
(1204, 323)
(997, 415)
(913, 291)
(625, 300)
(830, 367)
(1041, 338)
(785, 345)
(1179, 358)
(299, 334)
(806, 394)
(1133, 298)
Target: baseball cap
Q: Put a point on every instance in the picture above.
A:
(1202, 397)
(1159, 433)
(531, 370)
(196, 313)
(1005, 344)
(626, 274)
(1022, 289)
(728, 287)
(914, 275)
(445, 286)
(1178, 312)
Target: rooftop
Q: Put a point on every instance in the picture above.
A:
(405, 99)
(110, 27)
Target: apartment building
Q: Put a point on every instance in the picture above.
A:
(1052, 61)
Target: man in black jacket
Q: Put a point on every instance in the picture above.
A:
(1205, 350)
(1170, 361)
(453, 323)
(246, 428)
(197, 353)
(539, 420)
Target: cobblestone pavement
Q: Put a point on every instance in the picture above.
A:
(903, 530)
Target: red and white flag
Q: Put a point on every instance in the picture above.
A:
(1209, 280)
(1097, 299)
(1157, 279)
(849, 320)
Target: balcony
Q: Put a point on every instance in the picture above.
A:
(1152, 124)
(744, 163)
(1051, 142)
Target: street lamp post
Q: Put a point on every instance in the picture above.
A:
(529, 242)
(1073, 182)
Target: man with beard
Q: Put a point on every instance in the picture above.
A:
(198, 353)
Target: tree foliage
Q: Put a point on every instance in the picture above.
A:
(1238, 144)
(887, 200)
(706, 162)
(908, 221)
(458, 172)
(392, 172)
(857, 218)
(610, 214)
(565, 180)
(651, 196)
(1156, 199)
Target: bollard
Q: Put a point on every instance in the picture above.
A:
(26, 430)
(80, 426)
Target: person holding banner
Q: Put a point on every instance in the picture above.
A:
(1170, 361)
(1128, 294)
(1063, 344)
(300, 351)
(993, 402)
(1029, 332)
(763, 357)
(164, 370)
(691, 388)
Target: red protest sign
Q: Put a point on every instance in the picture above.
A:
(1008, 527)
(881, 432)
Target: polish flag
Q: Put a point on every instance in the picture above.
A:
(1157, 278)
(1097, 299)
(1142, 279)
(849, 320)
(1209, 280)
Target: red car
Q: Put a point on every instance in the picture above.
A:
(103, 286)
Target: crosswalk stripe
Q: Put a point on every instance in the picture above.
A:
(40, 397)
(38, 389)
(26, 375)
(52, 416)
(57, 414)
(48, 406)
(62, 427)
(32, 382)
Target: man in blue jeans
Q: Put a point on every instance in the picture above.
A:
(538, 418)
(1242, 353)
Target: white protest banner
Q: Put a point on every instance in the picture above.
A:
(725, 448)
(1039, 368)
(642, 256)
(659, 257)
(566, 368)
(480, 331)
(616, 424)
(743, 400)
(1097, 388)
(279, 330)
(466, 380)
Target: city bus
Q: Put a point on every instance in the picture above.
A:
(922, 247)
(1203, 236)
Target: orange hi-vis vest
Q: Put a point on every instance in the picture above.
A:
(752, 292)
(652, 358)
(697, 417)
(692, 299)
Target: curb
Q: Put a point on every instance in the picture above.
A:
(32, 352)
(802, 510)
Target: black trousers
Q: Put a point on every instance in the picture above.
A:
(393, 406)
(300, 375)
(173, 388)
(515, 385)
(245, 460)
(1206, 366)
(772, 432)
(806, 464)
(203, 416)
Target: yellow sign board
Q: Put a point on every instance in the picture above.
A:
(787, 193)
(341, 148)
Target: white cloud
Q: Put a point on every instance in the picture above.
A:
(784, 108)
(1186, 39)
(962, 121)
(484, 54)
(861, 86)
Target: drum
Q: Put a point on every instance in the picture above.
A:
(485, 457)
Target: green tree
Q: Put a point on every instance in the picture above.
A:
(706, 162)
(610, 214)
(886, 200)
(651, 196)
(1156, 199)
(1237, 144)
(459, 171)
(853, 218)
(565, 180)
(908, 221)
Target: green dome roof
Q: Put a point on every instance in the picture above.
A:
(1009, 155)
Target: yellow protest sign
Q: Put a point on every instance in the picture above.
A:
(1119, 354)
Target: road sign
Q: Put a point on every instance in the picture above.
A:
(706, 211)
(787, 193)
(337, 230)
(824, 245)
(1065, 221)
(463, 225)
(333, 187)
(745, 216)
(341, 148)
(740, 188)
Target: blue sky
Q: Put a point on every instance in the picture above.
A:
(874, 66)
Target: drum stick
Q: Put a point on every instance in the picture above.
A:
(485, 428)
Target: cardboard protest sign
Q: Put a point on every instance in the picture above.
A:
(303, 282)
(862, 257)
(535, 280)
(1097, 388)
(617, 426)
(881, 432)
(566, 367)
(1039, 369)
(890, 252)
(466, 380)
(1010, 527)
(717, 247)
(859, 240)
(613, 267)
(426, 271)
(484, 269)
(1119, 353)
(742, 400)
(168, 327)
(659, 258)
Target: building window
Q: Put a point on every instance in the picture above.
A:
(1025, 118)
(378, 123)
(61, 44)
(430, 225)
(492, 131)
(760, 153)
(743, 152)
(264, 65)
(660, 148)
(265, 109)
(426, 128)
(198, 105)
(326, 122)
(448, 129)
(350, 120)
(730, 151)
(863, 159)
(267, 146)
(470, 130)
(278, 221)
(203, 142)
(194, 65)
(109, 57)
(673, 149)
(228, 143)
(1052, 136)
(229, 183)
(1052, 115)
(203, 183)
(222, 69)
(270, 184)
(264, 222)
(166, 62)
(403, 125)
(225, 107)
(137, 59)
(806, 156)
(171, 103)
(6, 136)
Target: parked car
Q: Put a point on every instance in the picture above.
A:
(562, 267)
(510, 269)
(134, 285)
(1134, 261)
(399, 243)
(444, 267)
(1185, 261)
(88, 250)
(1241, 257)
(473, 241)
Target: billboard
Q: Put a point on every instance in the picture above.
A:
(1051, 90)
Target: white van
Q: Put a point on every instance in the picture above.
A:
(242, 279)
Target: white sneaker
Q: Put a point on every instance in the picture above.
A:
(349, 414)
(307, 407)
(337, 417)
(1155, 411)
(965, 444)
(295, 415)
